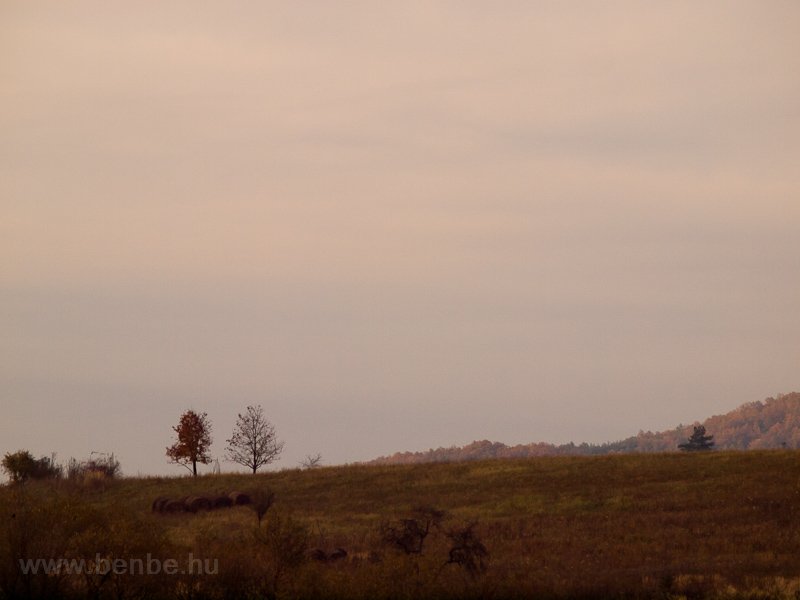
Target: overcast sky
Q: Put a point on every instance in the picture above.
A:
(395, 225)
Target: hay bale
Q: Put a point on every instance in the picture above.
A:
(319, 555)
(174, 506)
(158, 504)
(195, 503)
(221, 502)
(239, 498)
(338, 554)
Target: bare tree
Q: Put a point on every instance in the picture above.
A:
(194, 440)
(254, 442)
(311, 461)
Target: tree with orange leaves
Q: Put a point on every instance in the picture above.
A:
(194, 440)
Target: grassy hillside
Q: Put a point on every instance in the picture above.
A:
(720, 524)
(773, 423)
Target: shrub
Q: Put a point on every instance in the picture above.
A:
(467, 550)
(286, 543)
(311, 461)
(261, 501)
(21, 466)
(409, 535)
(103, 467)
(40, 523)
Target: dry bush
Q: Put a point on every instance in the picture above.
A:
(286, 543)
(408, 535)
(21, 466)
(311, 461)
(467, 550)
(101, 467)
(123, 535)
(261, 501)
(42, 522)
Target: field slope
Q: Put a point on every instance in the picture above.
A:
(716, 524)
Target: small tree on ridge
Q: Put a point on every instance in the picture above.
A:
(254, 442)
(311, 461)
(194, 441)
(698, 441)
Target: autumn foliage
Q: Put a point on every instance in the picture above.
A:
(194, 441)
(771, 424)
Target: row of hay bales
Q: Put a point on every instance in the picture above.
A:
(198, 502)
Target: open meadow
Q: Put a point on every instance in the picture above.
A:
(716, 525)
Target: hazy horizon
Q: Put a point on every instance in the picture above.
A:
(395, 227)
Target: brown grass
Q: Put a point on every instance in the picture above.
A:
(716, 525)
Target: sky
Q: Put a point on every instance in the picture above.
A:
(394, 225)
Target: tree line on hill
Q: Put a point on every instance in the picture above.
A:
(253, 444)
(772, 423)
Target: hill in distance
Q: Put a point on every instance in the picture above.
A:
(773, 423)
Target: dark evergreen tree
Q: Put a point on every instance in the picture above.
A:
(698, 441)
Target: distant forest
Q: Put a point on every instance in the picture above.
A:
(773, 423)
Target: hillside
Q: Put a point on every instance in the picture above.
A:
(773, 423)
(712, 525)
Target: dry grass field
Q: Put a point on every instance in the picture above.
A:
(703, 525)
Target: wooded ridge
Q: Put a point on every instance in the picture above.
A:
(772, 423)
